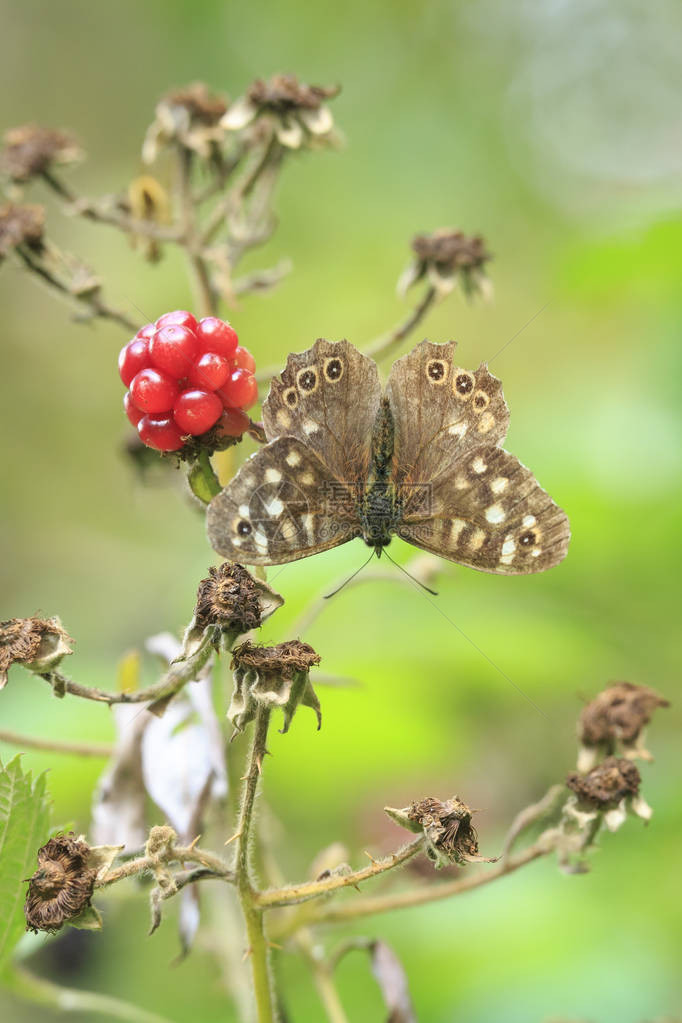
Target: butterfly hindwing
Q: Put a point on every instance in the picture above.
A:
(441, 411)
(490, 513)
(328, 398)
(282, 505)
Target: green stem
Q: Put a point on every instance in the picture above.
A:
(253, 916)
(211, 483)
(26, 985)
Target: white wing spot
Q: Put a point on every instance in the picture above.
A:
(476, 541)
(459, 429)
(478, 465)
(308, 523)
(499, 484)
(283, 418)
(528, 520)
(486, 422)
(495, 513)
(309, 426)
(244, 511)
(508, 547)
(536, 552)
(293, 459)
(456, 527)
(462, 483)
(261, 541)
(288, 529)
(274, 507)
(273, 476)
(307, 479)
(236, 541)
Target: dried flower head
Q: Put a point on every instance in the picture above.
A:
(21, 225)
(31, 150)
(61, 888)
(616, 719)
(275, 676)
(37, 643)
(450, 835)
(448, 257)
(231, 598)
(297, 113)
(190, 117)
(609, 790)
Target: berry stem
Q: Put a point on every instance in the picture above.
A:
(207, 300)
(210, 479)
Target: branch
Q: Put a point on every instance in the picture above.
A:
(384, 345)
(216, 866)
(206, 297)
(80, 749)
(293, 894)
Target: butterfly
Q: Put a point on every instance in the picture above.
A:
(421, 460)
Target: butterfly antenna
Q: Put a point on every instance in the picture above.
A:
(414, 580)
(350, 577)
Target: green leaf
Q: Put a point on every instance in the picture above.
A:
(24, 827)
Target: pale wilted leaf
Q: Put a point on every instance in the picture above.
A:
(118, 812)
(392, 981)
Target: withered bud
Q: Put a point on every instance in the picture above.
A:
(617, 718)
(61, 888)
(450, 835)
(231, 598)
(37, 643)
(201, 104)
(275, 676)
(607, 783)
(189, 116)
(447, 257)
(30, 150)
(297, 112)
(21, 225)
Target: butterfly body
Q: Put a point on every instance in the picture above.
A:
(421, 460)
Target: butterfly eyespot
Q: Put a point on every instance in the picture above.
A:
(528, 539)
(333, 369)
(480, 401)
(307, 380)
(291, 397)
(436, 371)
(244, 527)
(463, 384)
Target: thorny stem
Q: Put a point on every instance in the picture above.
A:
(253, 914)
(384, 345)
(179, 673)
(323, 976)
(206, 298)
(80, 749)
(179, 854)
(90, 299)
(292, 894)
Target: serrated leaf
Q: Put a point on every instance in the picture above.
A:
(24, 827)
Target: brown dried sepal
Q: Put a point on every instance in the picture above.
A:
(284, 94)
(618, 714)
(283, 660)
(450, 835)
(21, 225)
(606, 784)
(37, 643)
(446, 257)
(202, 105)
(276, 676)
(30, 150)
(61, 888)
(229, 597)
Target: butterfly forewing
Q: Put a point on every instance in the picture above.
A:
(328, 398)
(489, 513)
(441, 411)
(282, 505)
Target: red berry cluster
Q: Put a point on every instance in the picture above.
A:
(185, 377)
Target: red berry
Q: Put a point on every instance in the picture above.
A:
(134, 357)
(196, 411)
(210, 371)
(160, 432)
(179, 318)
(217, 336)
(233, 423)
(153, 391)
(133, 413)
(147, 331)
(174, 349)
(243, 359)
(240, 391)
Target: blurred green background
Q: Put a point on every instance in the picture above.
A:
(554, 130)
